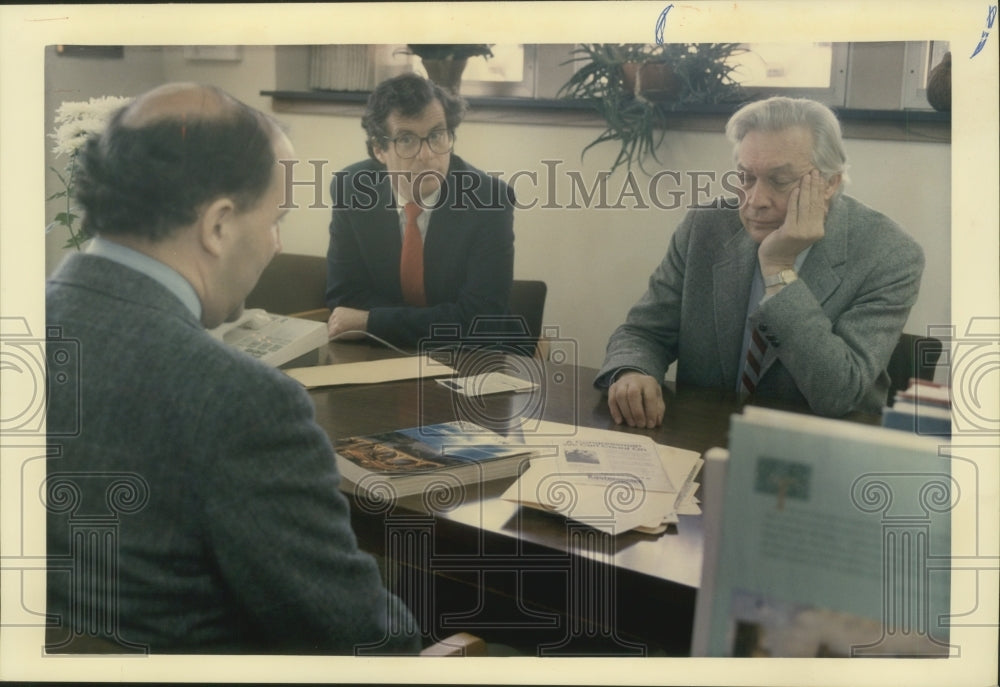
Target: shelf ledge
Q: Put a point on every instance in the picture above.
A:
(915, 126)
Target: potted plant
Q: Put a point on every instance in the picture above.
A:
(445, 62)
(633, 86)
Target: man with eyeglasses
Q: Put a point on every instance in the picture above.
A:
(798, 294)
(419, 238)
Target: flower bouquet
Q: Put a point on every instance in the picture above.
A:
(75, 123)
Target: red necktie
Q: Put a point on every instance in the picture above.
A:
(755, 356)
(411, 262)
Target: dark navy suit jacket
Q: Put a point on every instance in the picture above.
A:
(468, 252)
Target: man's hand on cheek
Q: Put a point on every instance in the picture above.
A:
(803, 225)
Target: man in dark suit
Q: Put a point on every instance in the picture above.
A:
(419, 237)
(818, 285)
(197, 510)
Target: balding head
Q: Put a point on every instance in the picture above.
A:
(169, 153)
(178, 101)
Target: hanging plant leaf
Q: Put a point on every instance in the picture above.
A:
(634, 113)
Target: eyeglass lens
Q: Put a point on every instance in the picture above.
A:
(408, 145)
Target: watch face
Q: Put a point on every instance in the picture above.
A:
(782, 277)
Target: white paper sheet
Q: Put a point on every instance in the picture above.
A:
(369, 372)
(487, 383)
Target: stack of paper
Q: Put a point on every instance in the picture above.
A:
(923, 408)
(612, 481)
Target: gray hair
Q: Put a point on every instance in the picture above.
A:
(780, 113)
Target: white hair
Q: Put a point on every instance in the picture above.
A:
(780, 113)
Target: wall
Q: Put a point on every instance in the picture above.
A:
(596, 261)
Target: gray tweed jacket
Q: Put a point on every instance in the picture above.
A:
(213, 484)
(831, 332)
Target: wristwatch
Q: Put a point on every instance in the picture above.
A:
(783, 277)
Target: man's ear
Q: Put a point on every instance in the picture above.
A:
(832, 184)
(214, 225)
(379, 152)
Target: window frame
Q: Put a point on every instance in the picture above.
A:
(834, 95)
(548, 65)
(917, 66)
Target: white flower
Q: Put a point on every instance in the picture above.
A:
(76, 121)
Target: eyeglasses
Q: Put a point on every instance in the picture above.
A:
(440, 141)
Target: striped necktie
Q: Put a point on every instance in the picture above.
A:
(751, 370)
(411, 261)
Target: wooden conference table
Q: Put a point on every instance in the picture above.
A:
(466, 560)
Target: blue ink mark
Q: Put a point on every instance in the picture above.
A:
(991, 17)
(982, 42)
(661, 23)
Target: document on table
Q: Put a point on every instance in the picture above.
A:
(369, 371)
(487, 383)
(611, 456)
(612, 481)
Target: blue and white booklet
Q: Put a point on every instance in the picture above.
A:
(408, 461)
(824, 538)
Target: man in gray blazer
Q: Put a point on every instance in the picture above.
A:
(815, 284)
(197, 509)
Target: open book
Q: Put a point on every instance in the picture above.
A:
(408, 461)
(824, 538)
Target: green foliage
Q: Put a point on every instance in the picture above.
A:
(67, 218)
(701, 75)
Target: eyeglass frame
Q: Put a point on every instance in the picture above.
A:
(423, 139)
